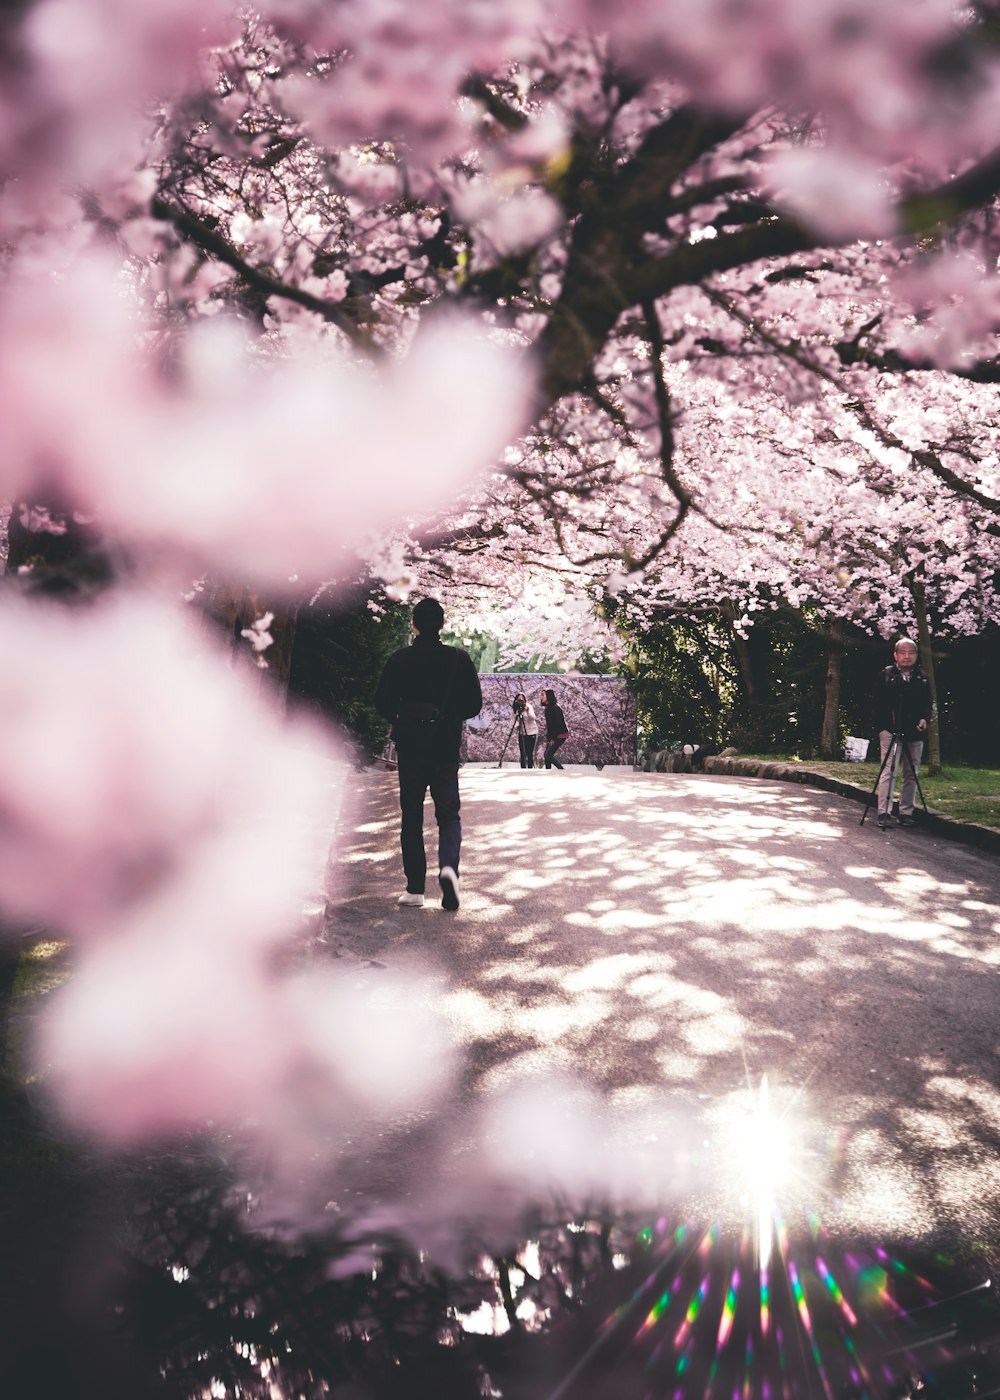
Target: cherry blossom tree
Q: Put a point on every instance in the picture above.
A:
(707, 290)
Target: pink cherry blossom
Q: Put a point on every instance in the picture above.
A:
(266, 469)
(519, 221)
(960, 301)
(140, 775)
(152, 1038)
(838, 194)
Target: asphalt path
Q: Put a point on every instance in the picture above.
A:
(715, 991)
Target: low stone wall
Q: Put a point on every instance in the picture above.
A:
(986, 838)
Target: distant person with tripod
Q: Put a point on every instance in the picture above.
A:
(527, 728)
(902, 714)
(556, 732)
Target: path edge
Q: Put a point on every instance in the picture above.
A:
(985, 838)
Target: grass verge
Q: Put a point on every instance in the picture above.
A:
(960, 791)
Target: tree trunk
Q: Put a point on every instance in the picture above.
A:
(743, 658)
(220, 605)
(232, 611)
(748, 730)
(829, 739)
(926, 653)
(277, 658)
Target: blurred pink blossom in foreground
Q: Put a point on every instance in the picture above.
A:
(957, 295)
(134, 763)
(151, 1038)
(263, 468)
(74, 108)
(838, 193)
(158, 812)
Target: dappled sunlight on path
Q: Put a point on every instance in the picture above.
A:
(668, 940)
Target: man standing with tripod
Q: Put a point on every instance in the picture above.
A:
(902, 713)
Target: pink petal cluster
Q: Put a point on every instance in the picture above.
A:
(863, 66)
(841, 194)
(154, 1037)
(74, 109)
(173, 826)
(957, 298)
(140, 773)
(510, 223)
(403, 68)
(269, 470)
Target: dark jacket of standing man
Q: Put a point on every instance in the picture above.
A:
(426, 691)
(903, 695)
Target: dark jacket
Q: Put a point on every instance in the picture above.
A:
(555, 722)
(901, 702)
(428, 671)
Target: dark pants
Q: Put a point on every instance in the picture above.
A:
(416, 775)
(527, 745)
(551, 748)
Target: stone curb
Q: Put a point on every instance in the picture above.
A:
(985, 838)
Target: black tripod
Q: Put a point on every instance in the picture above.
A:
(897, 752)
(519, 726)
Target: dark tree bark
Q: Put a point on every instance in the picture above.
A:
(608, 271)
(743, 657)
(829, 739)
(278, 656)
(234, 610)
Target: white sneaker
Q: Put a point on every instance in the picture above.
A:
(448, 881)
(411, 901)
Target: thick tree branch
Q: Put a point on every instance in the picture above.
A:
(958, 484)
(618, 209)
(605, 279)
(922, 213)
(462, 537)
(203, 236)
(638, 190)
(892, 362)
(707, 193)
(664, 413)
(502, 112)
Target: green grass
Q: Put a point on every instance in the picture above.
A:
(32, 1163)
(960, 791)
(40, 969)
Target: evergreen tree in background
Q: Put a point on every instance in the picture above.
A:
(341, 644)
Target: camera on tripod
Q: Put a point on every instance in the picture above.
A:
(517, 705)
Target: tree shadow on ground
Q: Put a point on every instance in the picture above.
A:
(650, 951)
(670, 941)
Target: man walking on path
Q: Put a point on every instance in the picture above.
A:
(902, 712)
(426, 691)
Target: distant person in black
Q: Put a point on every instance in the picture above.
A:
(427, 690)
(902, 711)
(556, 732)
